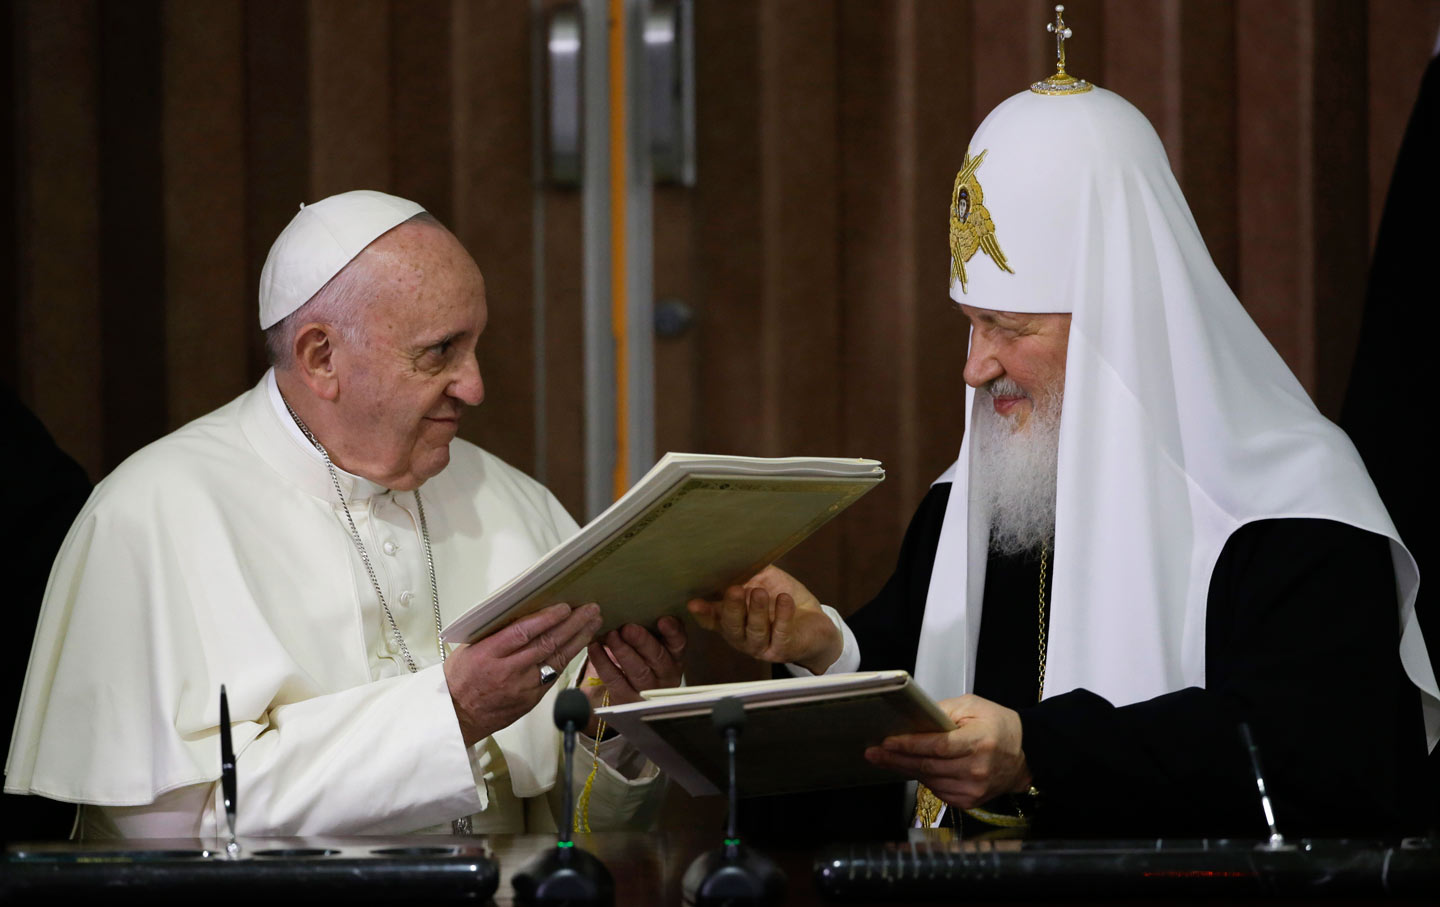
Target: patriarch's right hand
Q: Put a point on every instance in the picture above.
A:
(773, 617)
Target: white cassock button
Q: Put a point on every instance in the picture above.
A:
(390, 644)
(390, 547)
(406, 597)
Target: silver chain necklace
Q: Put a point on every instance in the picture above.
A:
(365, 558)
(460, 826)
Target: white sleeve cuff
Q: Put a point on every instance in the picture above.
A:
(620, 756)
(849, 659)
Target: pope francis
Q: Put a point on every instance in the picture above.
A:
(282, 546)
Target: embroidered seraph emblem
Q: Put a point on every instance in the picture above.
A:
(970, 225)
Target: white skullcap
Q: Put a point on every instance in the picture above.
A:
(321, 240)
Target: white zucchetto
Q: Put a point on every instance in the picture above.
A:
(321, 240)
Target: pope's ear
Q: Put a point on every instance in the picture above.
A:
(315, 359)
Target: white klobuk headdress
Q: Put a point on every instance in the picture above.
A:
(1180, 422)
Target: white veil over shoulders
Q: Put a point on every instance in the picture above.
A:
(1180, 424)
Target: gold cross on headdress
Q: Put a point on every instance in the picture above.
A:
(1061, 33)
(1062, 82)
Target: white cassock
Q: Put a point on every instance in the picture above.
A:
(220, 554)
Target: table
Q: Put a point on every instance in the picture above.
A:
(648, 869)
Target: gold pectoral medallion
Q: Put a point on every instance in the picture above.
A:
(971, 227)
(927, 806)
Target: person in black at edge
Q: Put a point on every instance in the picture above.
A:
(1191, 545)
(1393, 354)
(50, 491)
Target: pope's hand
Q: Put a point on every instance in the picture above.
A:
(632, 659)
(774, 618)
(978, 761)
(496, 680)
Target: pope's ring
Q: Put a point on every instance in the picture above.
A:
(547, 675)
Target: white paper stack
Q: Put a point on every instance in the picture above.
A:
(694, 524)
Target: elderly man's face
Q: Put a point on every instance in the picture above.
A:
(406, 381)
(1019, 358)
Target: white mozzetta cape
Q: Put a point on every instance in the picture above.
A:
(1180, 424)
(219, 554)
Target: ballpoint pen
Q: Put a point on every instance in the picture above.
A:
(227, 771)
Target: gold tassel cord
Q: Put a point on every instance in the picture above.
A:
(582, 803)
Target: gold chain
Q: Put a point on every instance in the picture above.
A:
(927, 805)
(1040, 691)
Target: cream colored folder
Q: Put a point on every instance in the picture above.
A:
(694, 524)
(800, 733)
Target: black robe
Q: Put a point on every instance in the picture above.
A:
(1302, 638)
(1392, 353)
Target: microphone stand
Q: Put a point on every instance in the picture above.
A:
(732, 875)
(1277, 840)
(566, 874)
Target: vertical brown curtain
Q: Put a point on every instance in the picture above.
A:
(154, 148)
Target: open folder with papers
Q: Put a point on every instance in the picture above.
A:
(694, 524)
(801, 733)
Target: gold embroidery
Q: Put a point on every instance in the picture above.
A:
(970, 225)
(927, 806)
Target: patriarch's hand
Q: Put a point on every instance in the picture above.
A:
(978, 761)
(774, 618)
(496, 680)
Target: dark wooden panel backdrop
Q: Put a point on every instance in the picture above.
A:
(154, 148)
(1281, 120)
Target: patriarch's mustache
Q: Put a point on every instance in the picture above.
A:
(1005, 386)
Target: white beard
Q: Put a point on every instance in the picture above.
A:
(1012, 471)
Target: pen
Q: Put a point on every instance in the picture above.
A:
(227, 770)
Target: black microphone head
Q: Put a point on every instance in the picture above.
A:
(572, 708)
(728, 714)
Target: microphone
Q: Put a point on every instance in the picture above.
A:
(572, 712)
(1277, 840)
(729, 719)
(572, 709)
(566, 874)
(732, 875)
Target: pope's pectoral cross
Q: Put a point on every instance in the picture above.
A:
(1061, 32)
